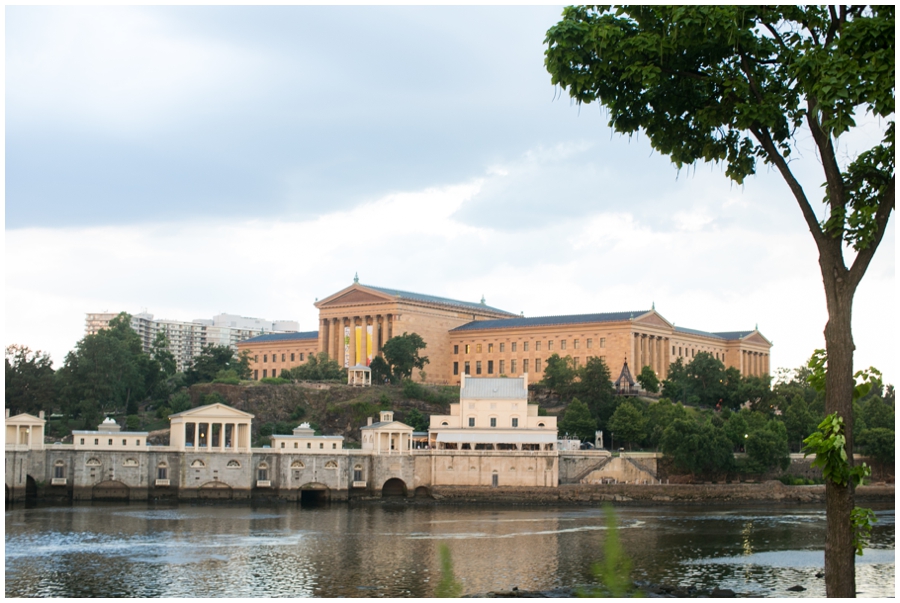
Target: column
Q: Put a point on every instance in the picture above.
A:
(367, 349)
(323, 335)
(196, 436)
(633, 356)
(667, 358)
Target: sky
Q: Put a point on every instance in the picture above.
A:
(190, 161)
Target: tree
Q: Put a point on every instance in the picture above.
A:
(30, 380)
(319, 367)
(595, 388)
(659, 416)
(879, 444)
(415, 419)
(380, 370)
(768, 448)
(213, 359)
(402, 354)
(559, 375)
(734, 84)
(577, 421)
(648, 380)
(697, 448)
(629, 423)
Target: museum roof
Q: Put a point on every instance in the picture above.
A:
(535, 321)
(727, 335)
(282, 337)
(503, 388)
(433, 299)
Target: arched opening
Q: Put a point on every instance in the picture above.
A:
(30, 489)
(422, 492)
(313, 495)
(214, 490)
(110, 490)
(393, 487)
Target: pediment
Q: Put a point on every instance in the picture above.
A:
(213, 411)
(392, 426)
(354, 295)
(653, 318)
(25, 418)
(757, 338)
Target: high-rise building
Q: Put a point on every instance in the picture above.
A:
(187, 339)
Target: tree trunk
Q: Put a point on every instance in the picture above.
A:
(840, 571)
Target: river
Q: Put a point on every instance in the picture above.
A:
(143, 550)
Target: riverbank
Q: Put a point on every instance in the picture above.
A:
(767, 492)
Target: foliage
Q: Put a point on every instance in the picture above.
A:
(449, 586)
(559, 375)
(212, 360)
(30, 381)
(648, 380)
(768, 448)
(443, 395)
(861, 519)
(319, 367)
(659, 416)
(402, 354)
(697, 448)
(415, 419)
(577, 421)
(879, 443)
(594, 387)
(132, 422)
(614, 572)
(828, 445)
(381, 371)
(228, 377)
(274, 381)
(628, 422)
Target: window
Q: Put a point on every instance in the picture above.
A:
(321, 445)
(575, 344)
(537, 365)
(296, 445)
(490, 367)
(265, 372)
(456, 349)
(96, 441)
(82, 440)
(477, 348)
(577, 361)
(525, 346)
(262, 474)
(537, 346)
(301, 356)
(590, 343)
(525, 365)
(501, 367)
(256, 358)
(162, 472)
(292, 356)
(478, 367)
(455, 368)
(490, 348)
(467, 369)
(309, 444)
(603, 342)
(110, 442)
(513, 346)
(562, 344)
(471, 421)
(673, 350)
(124, 442)
(467, 348)
(512, 366)
(282, 357)
(265, 357)
(493, 421)
(334, 446)
(282, 444)
(59, 470)
(515, 421)
(357, 474)
(502, 347)
(692, 352)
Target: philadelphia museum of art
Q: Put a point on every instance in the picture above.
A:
(472, 338)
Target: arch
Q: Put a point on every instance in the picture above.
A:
(30, 489)
(422, 492)
(313, 494)
(130, 462)
(298, 465)
(445, 424)
(233, 464)
(93, 462)
(214, 490)
(198, 463)
(541, 425)
(393, 487)
(110, 490)
(162, 464)
(331, 465)
(263, 465)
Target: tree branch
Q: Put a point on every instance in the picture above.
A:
(833, 176)
(762, 135)
(864, 256)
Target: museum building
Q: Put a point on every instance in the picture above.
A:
(475, 339)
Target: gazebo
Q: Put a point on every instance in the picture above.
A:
(359, 375)
(625, 384)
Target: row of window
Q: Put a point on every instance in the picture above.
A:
(576, 344)
(514, 422)
(275, 357)
(513, 366)
(309, 445)
(694, 351)
(137, 442)
(265, 373)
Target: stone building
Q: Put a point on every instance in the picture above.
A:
(478, 340)
(272, 353)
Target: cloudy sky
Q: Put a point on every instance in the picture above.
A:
(188, 161)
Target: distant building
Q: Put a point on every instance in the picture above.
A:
(187, 339)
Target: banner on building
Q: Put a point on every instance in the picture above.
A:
(358, 345)
(346, 347)
(369, 345)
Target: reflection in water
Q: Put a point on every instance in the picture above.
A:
(145, 551)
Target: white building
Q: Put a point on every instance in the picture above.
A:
(187, 339)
